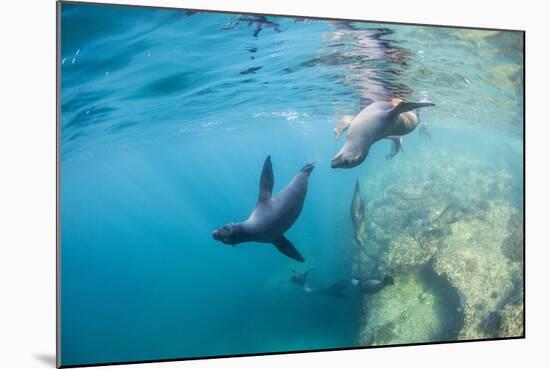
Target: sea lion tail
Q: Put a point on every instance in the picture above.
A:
(307, 288)
(287, 248)
(404, 106)
(396, 146)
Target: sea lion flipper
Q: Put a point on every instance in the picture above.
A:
(266, 180)
(396, 146)
(286, 247)
(404, 106)
(342, 125)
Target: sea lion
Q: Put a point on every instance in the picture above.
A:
(372, 286)
(357, 213)
(272, 216)
(336, 289)
(301, 280)
(396, 146)
(423, 131)
(396, 141)
(375, 122)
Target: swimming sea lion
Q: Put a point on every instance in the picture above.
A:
(301, 280)
(357, 213)
(371, 286)
(377, 121)
(423, 131)
(337, 289)
(271, 217)
(396, 146)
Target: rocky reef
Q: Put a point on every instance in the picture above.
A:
(451, 235)
(418, 307)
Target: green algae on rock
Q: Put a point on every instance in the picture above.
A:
(418, 307)
(456, 221)
(473, 263)
(402, 313)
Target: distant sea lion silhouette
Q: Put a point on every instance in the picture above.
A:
(424, 131)
(377, 121)
(336, 289)
(271, 217)
(357, 212)
(301, 279)
(372, 286)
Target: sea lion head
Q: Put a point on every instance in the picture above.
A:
(229, 234)
(348, 159)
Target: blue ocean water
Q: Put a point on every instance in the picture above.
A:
(166, 119)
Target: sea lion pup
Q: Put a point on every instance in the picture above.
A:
(396, 146)
(272, 216)
(377, 121)
(357, 213)
(423, 131)
(372, 286)
(301, 279)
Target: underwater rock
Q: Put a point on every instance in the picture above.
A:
(512, 246)
(491, 324)
(511, 321)
(472, 261)
(398, 313)
(405, 251)
(456, 219)
(418, 307)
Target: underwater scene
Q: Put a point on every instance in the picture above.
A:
(244, 184)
